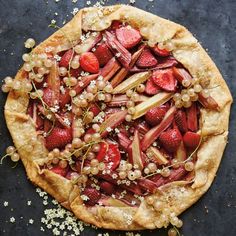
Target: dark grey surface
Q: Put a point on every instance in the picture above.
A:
(213, 22)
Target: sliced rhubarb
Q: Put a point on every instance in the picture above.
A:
(124, 71)
(66, 58)
(95, 109)
(122, 54)
(157, 156)
(147, 185)
(134, 151)
(132, 82)
(192, 120)
(176, 175)
(110, 69)
(154, 133)
(124, 141)
(209, 102)
(83, 83)
(181, 74)
(154, 101)
(52, 92)
(181, 153)
(113, 121)
(142, 127)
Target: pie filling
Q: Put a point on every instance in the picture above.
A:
(119, 118)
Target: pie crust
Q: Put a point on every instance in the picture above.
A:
(176, 196)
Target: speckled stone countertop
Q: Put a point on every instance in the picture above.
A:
(213, 22)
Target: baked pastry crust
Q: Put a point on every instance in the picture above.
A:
(176, 196)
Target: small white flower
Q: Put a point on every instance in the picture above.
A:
(5, 204)
(12, 220)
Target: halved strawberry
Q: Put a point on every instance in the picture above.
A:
(181, 121)
(89, 62)
(146, 59)
(160, 52)
(103, 54)
(165, 79)
(171, 139)
(151, 88)
(192, 120)
(66, 58)
(58, 138)
(128, 36)
(109, 154)
(107, 187)
(155, 115)
(92, 194)
(191, 140)
(58, 170)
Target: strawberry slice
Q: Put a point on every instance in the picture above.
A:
(151, 88)
(181, 121)
(171, 139)
(109, 154)
(58, 138)
(154, 133)
(146, 59)
(134, 152)
(112, 121)
(128, 36)
(160, 52)
(103, 54)
(107, 187)
(110, 69)
(192, 120)
(124, 141)
(92, 194)
(163, 63)
(155, 115)
(165, 79)
(191, 140)
(60, 171)
(123, 55)
(89, 62)
(66, 58)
